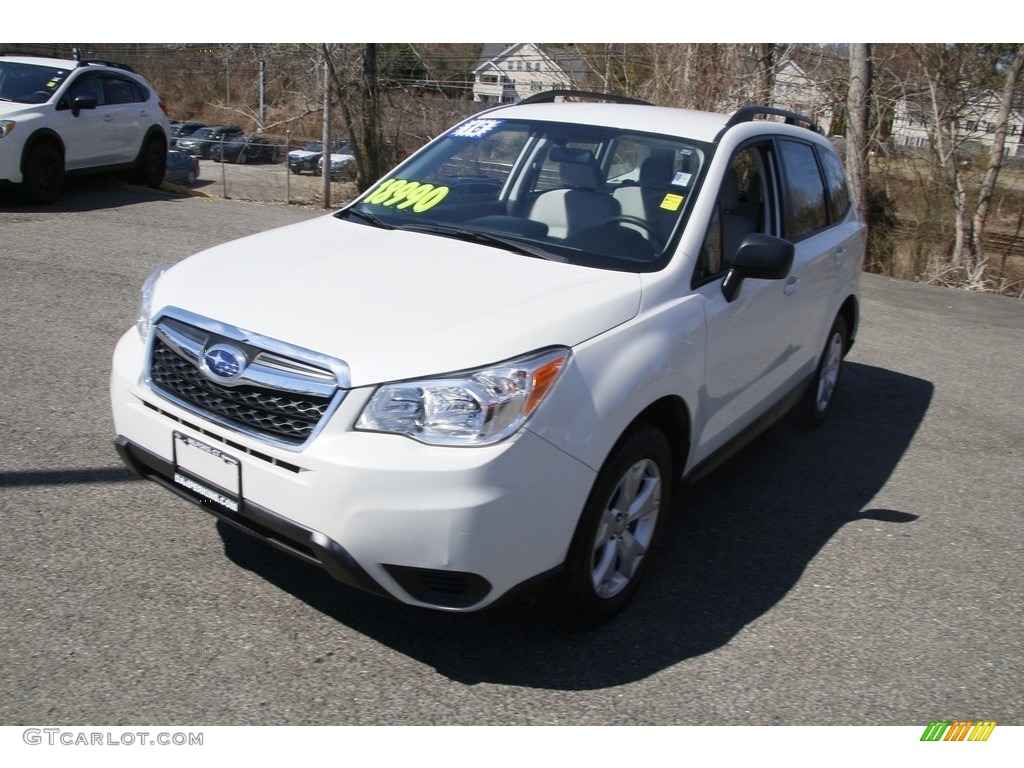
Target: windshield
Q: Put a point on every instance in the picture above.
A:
(598, 196)
(29, 83)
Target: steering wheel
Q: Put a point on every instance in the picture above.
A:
(656, 237)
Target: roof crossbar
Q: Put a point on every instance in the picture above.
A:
(550, 96)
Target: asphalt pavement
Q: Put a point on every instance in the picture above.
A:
(867, 573)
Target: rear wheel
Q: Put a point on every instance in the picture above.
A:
(817, 402)
(43, 179)
(152, 163)
(617, 529)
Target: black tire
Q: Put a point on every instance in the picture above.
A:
(43, 178)
(190, 178)
(44, 174)
(241, 159)
(816, 403)
(618, 527)
(152, 163)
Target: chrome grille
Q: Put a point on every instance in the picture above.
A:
(284, 394)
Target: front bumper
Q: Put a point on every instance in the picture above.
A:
(448, 528)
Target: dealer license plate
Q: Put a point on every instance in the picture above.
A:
(207, 471)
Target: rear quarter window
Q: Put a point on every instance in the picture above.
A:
(835, 179)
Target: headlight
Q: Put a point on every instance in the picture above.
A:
(146, 300)
(6, 126)
(472, 408)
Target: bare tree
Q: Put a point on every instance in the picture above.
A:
(957, 80)
(995, 163)
(857, 109)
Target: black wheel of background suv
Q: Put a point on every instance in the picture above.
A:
(619, 525)
(816, 403)
(152, 162)
(43, 178)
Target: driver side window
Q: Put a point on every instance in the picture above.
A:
(743, 206)
(88, 87)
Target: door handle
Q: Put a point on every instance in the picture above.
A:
(791, 285)
(108, 118)
(839, 254)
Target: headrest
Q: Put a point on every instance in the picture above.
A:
(560, 154)
(657, 171)
(729, 194)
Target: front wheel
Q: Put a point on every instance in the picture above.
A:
(617, 529)
(817, 402)
(43, 179)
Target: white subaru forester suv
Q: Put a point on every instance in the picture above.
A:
(60, 117)
(487, 374)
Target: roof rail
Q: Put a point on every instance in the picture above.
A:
(101, 62)
(550, 96)
(748, 114)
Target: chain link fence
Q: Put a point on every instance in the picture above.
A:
(258, 169)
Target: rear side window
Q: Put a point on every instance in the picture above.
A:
(806, 204)
(835, 178)
(119, 91)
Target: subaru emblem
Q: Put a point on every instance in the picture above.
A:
(224, 361)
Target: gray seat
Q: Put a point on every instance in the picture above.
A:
(644, 199)
(735, 226)
(578, 204)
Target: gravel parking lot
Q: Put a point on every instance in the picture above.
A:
(268, 182)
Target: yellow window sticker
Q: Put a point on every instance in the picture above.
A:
(671, 202)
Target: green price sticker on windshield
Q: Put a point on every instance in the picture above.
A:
(403, 194)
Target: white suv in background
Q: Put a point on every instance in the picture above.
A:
(61, 117)
(488, 374)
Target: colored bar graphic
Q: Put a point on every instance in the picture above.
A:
(934, 730)
(958, 730)
(982, 730)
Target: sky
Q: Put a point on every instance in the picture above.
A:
(538, 20)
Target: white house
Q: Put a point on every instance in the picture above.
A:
(976, 124)
(509, 72)
(794, 90)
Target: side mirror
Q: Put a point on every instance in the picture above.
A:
(759, 256)
(82, 102)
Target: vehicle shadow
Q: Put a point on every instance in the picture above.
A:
(737, 542)
(87, 193)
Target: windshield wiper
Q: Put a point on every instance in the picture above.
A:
(369, 218)
(487, 238)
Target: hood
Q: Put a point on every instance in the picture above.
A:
(393, 304)
(13, 108)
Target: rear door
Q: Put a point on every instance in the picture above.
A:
(127, 103)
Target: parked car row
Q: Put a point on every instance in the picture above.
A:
(311, 159)
(229, 143)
